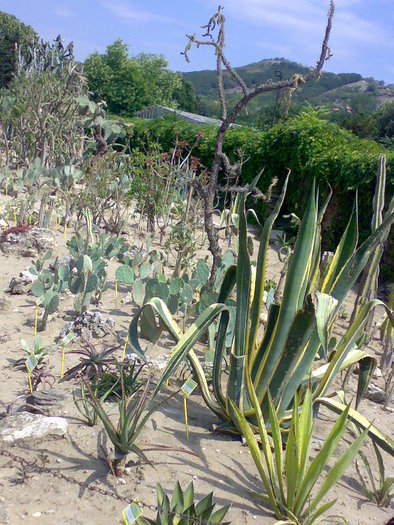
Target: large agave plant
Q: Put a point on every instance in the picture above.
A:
(298, 328)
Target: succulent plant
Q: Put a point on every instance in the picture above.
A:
(183, 510)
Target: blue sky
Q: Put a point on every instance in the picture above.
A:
(361, 38)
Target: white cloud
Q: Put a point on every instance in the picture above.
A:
(308, 18)
(63, 12)
(133, 14)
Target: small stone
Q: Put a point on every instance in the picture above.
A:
(195, 477)
(36, 514)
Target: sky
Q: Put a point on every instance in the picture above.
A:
(361, 39)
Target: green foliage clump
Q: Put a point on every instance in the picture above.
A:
(128, 84)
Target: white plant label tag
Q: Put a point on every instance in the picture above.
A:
(131, 513)
(31, 362)
(69, 337)
(188, 387)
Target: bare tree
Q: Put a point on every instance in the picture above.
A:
(221, 161)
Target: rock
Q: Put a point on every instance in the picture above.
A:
(25, 426)
(377, 373)
(22, 284)
(375, 394)
(4, 512)
(90, 325)
(28, 243)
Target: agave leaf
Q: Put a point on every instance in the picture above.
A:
(243, 288)
(324, 309)
(109, 427)
(256, 455)
(338, 469)
(367, 367)
(356, 263)
(346, 344)
(261, 268)
(204, 504)
(321, 510)
(344, 251)
(383, 441)
(296, 275)
(188, 496)
(291, 459)
(320, 461)
(218, 516)
(177, 499)
(304, 438)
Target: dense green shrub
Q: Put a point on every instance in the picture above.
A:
(309, 146)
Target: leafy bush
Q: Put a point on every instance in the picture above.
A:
(309, 146)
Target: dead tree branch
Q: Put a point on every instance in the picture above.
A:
(221, 160)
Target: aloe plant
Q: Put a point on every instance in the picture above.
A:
(289, 478)
(183, 510)
(298, 328)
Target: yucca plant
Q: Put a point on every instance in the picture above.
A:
(289, 478)
(182, 510)
(298, 328)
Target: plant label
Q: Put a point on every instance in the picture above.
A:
(31, 363)
(69, 337)
(131, 513)
(188, 387)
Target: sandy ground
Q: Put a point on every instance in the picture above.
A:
(221, 463)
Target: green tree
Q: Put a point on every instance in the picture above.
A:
(13, 34)
(385, 121)
(128, 84)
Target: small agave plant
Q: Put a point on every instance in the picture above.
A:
(182, 510)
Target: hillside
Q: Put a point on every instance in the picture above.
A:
(335, 90)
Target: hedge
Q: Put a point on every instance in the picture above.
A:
(309, 146)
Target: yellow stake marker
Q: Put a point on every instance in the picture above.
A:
(62, 367)
(65, 229)
(15, 216)
(187, 389)
(29, 377)
(29, 220)
(124, 348)
(116, 294)
(187, 428)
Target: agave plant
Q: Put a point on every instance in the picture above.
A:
(289, 479)
(134, 412)
(182, 509)
(381, 492)
(298, 328)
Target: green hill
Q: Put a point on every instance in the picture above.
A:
(335, 90)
